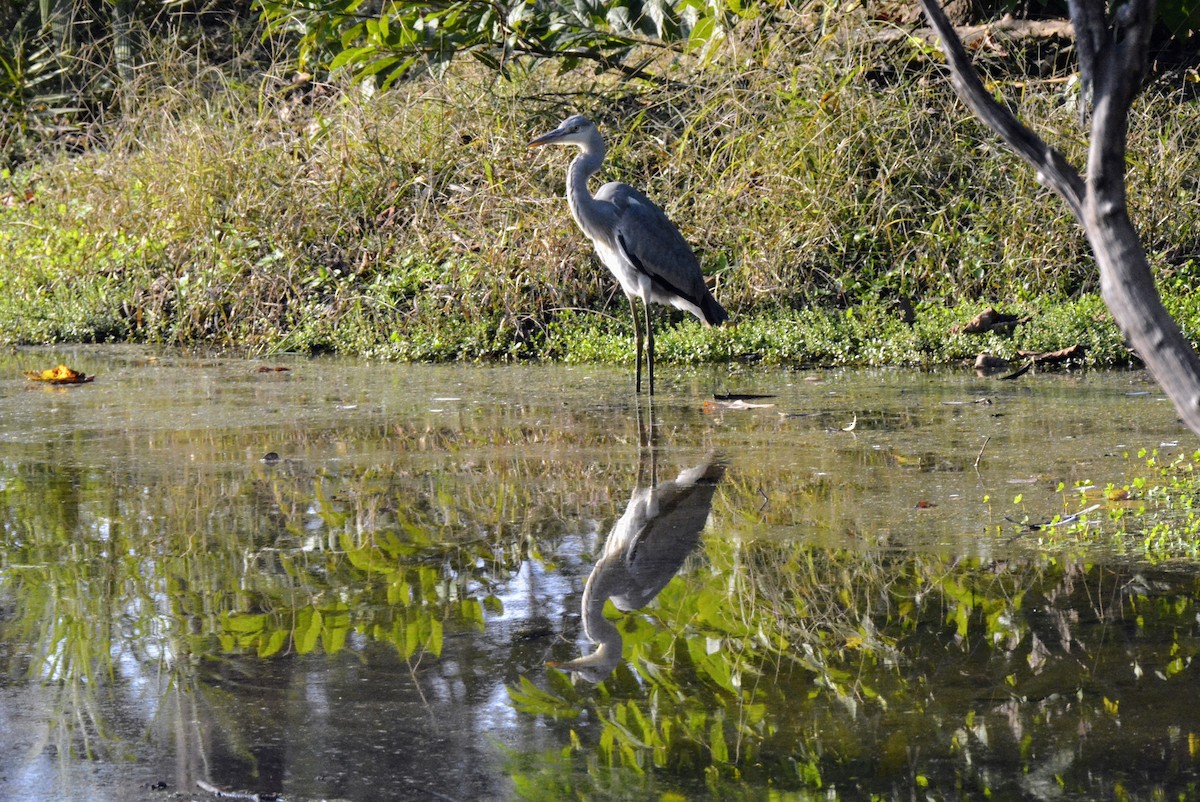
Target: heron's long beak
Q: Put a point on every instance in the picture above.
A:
(545, 139)
(592, 667)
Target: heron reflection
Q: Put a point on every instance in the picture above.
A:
(646, 547)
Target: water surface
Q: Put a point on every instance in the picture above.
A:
(334, 579)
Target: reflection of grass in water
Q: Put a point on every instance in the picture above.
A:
(803, 667)
(767, 660)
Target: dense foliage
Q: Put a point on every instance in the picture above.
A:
(66, 63)
(844, 207)
(387, 44)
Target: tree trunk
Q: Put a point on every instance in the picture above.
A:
(1113, 56)
(124, 43)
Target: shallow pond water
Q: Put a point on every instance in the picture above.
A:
(329, 579)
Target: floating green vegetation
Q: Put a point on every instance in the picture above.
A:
(1155, 511)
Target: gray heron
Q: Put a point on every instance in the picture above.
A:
(634, 239)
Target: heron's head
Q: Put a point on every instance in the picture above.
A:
(594, 667)
(575, 130)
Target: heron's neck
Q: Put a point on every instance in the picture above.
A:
(599, 630)
(579, 198)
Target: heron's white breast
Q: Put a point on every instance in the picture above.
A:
(629, 278)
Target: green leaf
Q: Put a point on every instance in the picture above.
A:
(532, 700)
(308, 630)
(271, 645)
(433, 644)
(716, 742)
(377, 66)
(701, 33)
(245, 624)
(352, 55)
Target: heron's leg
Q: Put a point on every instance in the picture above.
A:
(649, 346)
(652, 441)
(637, 339)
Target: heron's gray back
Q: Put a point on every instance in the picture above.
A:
(653, 245)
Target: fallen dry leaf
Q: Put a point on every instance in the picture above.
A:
(59, 375)
(991, 320)
(714, 406)
(1070, 354)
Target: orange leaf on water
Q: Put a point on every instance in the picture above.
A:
(58, 375)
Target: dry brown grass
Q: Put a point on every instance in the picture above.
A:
(275, 215)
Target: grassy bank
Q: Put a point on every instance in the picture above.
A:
(825, 190)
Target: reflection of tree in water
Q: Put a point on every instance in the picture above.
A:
(880, 672)
(255, 627)
(291, 627)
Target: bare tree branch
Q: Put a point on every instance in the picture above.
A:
(1117, 54)
(1087, 17)
(1053, 169)
(1123, 59)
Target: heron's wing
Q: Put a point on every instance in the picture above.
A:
(653, 246)
(658, 549)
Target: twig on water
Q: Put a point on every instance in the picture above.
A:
(1052, 523)
(981, 448)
